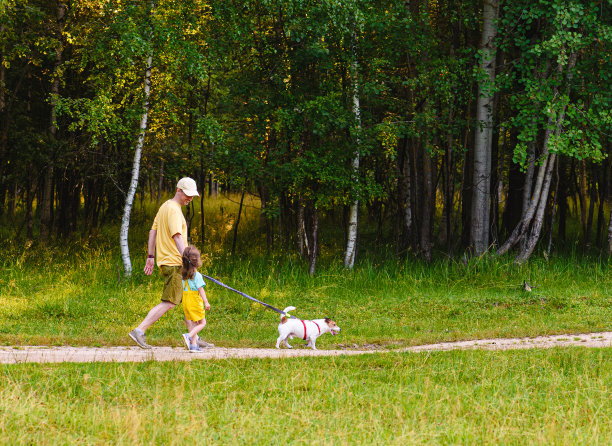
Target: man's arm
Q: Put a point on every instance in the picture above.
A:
(148, 269)
(180, 242)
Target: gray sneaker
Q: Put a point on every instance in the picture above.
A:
(187, 340)
(202, 343)
(139, 338)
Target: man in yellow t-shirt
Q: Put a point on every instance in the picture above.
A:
(167, 238)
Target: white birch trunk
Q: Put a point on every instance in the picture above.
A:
(129, 200)
(529, 228)
(351, 245)
(479, 232)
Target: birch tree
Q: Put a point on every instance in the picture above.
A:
(569, 28)
(351, 246)
(129, 200)
(481, 184)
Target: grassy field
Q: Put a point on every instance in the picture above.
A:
(73, 298)
(75, 295)
(558, 396)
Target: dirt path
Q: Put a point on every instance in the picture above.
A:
(14, 355)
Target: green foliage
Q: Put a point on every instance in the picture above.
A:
(545, 35)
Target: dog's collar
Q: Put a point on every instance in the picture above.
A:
(304, 324)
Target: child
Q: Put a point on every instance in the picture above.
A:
(194, 299)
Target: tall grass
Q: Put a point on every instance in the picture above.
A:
(76, 294)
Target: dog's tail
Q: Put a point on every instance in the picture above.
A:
(284, 316)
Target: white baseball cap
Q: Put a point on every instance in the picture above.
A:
(188, 186)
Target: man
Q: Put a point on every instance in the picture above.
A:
(167, 238)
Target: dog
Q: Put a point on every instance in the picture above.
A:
(308, 330)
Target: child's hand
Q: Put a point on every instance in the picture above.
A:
(207, 306)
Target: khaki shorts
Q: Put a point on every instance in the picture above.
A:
(173, 284)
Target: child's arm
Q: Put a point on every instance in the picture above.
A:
(203, 295)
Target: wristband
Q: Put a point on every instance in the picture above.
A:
(150, 256)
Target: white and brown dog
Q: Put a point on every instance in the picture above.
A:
(308, 330)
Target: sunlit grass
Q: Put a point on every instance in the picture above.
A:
(76, 293)
(72, 296)
(558, 396)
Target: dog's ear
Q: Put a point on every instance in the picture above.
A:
(327, 320)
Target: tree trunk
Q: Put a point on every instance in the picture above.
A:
(351, 245)
(603, 193)
(427, 206)
(237, 222)
(129, 201)
(301, 232)
(592, 202)
(404, 205)
(582, 196)
(47, 202)
(539, 205)
(203, 187)
(610, 235)
(315, 242)
(554, 211)
(160, 183)
(479, 234)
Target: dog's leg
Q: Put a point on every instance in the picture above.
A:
(313, 342)
(286, 343)
(278, 341)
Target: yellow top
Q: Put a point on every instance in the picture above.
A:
(168, 222)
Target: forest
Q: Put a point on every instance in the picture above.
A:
(455, 128)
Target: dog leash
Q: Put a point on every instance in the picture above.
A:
(249, 297)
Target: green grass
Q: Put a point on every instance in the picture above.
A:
(74, 294)
(53, 297)
(557, 396)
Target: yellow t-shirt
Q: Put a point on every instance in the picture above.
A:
(168, 222)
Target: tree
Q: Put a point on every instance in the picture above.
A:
(481, 183)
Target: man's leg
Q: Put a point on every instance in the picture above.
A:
(154, 314)
(138, 334)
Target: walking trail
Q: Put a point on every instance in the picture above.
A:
(41, 354)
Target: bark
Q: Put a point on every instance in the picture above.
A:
(188, 219)
(203, 186)
(301, 232)
(315, 242)
(427, 210)
(532, 237)
(479, 234)
(447, 171)
(404, 205)
(351, 245)
(536, 225)
(47, 200)
(531, 195)
(554, 210)
(237, 222)
(513, 209)
(129, 201)
(610, 234)
(592, 202)
(160, 183)
(603, 193)
(582, 196)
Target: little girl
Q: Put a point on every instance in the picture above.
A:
(194, 299)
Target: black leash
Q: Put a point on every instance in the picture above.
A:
(249, 297)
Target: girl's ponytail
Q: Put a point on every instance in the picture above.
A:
(191, 262)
